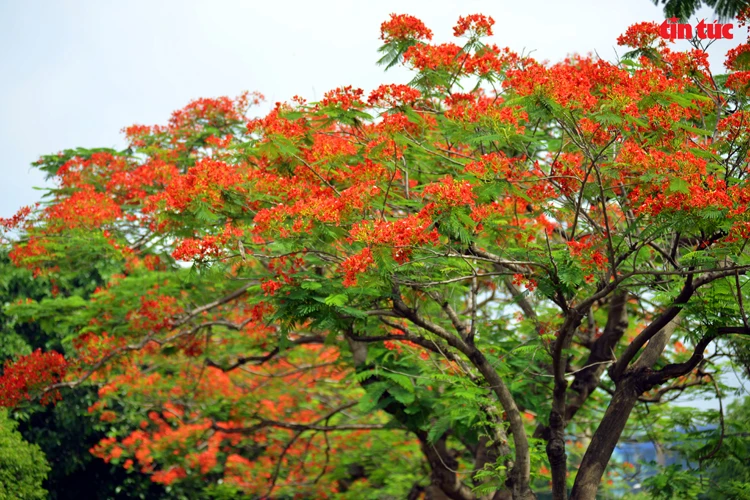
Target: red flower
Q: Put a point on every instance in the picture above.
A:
(443, 56)
(85, 208)
(449, 192)
(403, 27)
(29, 374)
(733, 54)
(270, 287)
(344, 97)
(641, 35)
(390, 96)
(13, 222)
(477, 24)
(356, 265)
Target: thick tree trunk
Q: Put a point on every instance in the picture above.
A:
(443, 466)
(587, 379)
(629, 388)
(585, 382)
(604, 441)
(558, 459)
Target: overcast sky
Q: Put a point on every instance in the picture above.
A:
(74, 73)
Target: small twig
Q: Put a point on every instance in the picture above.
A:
(318, 175)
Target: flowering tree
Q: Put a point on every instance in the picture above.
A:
(442, 273)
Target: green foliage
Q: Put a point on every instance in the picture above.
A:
(23, 467)
(727, 471)
(673, 483)
(684, 9)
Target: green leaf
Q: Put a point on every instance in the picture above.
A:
(678, 185)
(336, 300)
(311, 285)
(402, 395)
(351, 311)
(371, 399)
(401, 380)
(695, 130)
(438, 429)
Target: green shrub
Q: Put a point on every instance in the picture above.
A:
(23, 466)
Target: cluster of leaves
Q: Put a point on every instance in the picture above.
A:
(714, 451)
(22, 465)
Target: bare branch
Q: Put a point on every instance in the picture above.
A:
(257, 360)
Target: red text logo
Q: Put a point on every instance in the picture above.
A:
(671, 30)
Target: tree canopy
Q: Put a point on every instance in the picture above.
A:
(467, 286)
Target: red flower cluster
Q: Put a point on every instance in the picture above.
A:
(743, 18)
(488, 59)
(344, 97)
(210, 246)
(398, 345)
(739, 81)
(157, 312)
(136, 134)
(29, 254)
(270, 287)
(641, 35)
(400, 234)
(78, 171)
(391, 96)
(275, 124)
(499, 165)
(327, 147)
(736, 52)
(30, 374)
(529, 283)
(167, 477)
(404, 27)
(203, 182)
(584, 249)
(476, 107)
(13, 222)
(443, 56)
(219, 142)
(216, 112)
(397, 123)
(710, 193)
(133, 185)
(356, 265)
(85, 208)
(568, 172)
(92, 347)
(476, 24)
(198, 249)
(449, 192)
